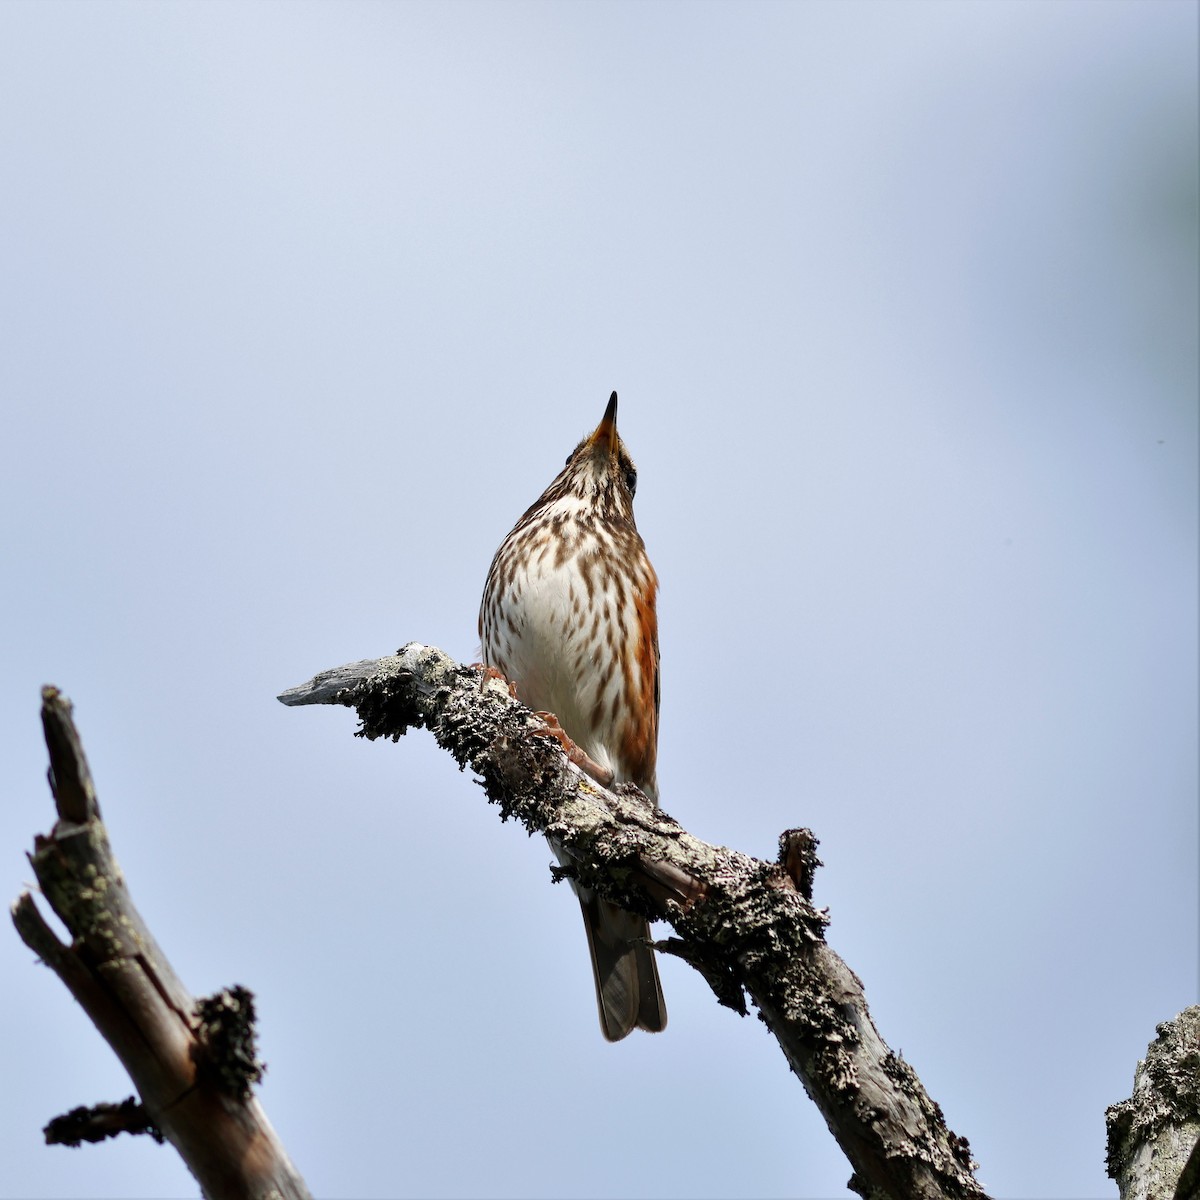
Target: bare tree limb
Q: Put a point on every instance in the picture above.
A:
(744, 923)
(1154, 1136)
(192, 1064)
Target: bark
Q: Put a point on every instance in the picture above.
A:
(1154, 1136)
(192, 1062)
(747, 925)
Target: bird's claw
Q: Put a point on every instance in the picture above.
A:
(487, 673)
(584, 761)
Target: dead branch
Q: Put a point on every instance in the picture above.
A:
(744, 923)
(97, 1122)
(1154, 1136)
(192, 1064)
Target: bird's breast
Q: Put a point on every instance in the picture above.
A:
(563, 627)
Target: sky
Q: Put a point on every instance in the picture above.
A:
(304, 304)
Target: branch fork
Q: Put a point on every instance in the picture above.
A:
(192, 1062)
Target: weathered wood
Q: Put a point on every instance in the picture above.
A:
(741, 921)
(121, 978)
(1154, 1136)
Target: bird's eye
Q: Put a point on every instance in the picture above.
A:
(631, 480)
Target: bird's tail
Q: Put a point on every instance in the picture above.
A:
(628, 992)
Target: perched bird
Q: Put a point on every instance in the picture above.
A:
(568, 617)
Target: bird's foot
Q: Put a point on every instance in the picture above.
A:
(486, 673)
(584, 761)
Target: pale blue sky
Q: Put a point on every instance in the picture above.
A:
(304, 304)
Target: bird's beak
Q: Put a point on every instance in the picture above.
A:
(604, 440)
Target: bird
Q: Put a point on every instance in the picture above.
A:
(569, 618)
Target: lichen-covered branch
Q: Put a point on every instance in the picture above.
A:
(1154, 1136)
(747, 925)
(192, 1064)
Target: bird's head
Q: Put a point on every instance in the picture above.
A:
(599, 471)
